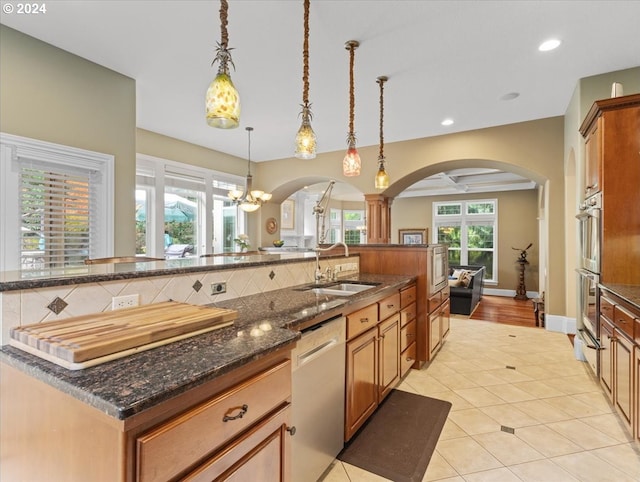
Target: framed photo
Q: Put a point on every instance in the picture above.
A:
(287, 214)
(413, 236)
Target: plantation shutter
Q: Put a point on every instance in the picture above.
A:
(58, 207)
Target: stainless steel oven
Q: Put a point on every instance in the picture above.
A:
(587, 322)
(590, 232)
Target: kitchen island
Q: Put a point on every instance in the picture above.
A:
(104, 420)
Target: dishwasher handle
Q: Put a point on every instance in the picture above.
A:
(316, 351)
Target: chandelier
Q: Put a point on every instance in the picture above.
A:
(382, 178)
(306, 138)
(223, 100)
(351, 163)
(249, 200)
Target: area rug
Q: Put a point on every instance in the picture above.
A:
(398, 440)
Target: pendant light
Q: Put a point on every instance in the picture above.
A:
(351, 163)
(249, 200)
(382, 178)
(306, 138)
(222, 100)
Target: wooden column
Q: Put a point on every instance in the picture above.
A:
(378, 219)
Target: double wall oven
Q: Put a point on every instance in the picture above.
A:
(590, 234)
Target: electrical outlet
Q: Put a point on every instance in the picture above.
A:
(218, 288)
(126, 301)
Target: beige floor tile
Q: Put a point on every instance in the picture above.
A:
(510, 393)
(597, 400)
(462, 366)
(574, 407)
(336, 473)
(473, 421)
(479, 397)
(609, 424)
(438, 469)
(458, 403)
(587, 467)
(625, 457)
(511, 376)
(508, 448)
(357, 474)
(547, 441)
(509, 416)
(542, 471)
(572, 385)
(539, 389)
(542, 411)
(484, 378)
(426, 385)
(495, 475)
(466, 455)
(538, 372)
(453, 382)
(451, 430)
(582, 434)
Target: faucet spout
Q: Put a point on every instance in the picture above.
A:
(318, 249)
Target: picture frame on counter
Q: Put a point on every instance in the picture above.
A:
(413, 236)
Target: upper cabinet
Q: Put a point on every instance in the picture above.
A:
(612, 166)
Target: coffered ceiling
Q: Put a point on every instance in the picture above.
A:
(444, 59)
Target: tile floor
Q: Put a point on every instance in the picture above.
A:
(565, 429)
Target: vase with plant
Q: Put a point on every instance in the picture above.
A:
(243, 242)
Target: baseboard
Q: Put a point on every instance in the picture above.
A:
(562, 324)
(507, 293)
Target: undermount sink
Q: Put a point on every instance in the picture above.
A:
(342, 289)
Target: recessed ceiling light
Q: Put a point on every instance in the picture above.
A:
(510, 96)
(447, 122)
(549, 45)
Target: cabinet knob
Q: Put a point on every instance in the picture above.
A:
(291, 430)
(243, 411)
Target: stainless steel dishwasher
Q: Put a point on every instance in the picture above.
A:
(318, 364)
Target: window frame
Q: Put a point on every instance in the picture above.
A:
(13, 148)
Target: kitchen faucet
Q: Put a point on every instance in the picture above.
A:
(318, 250)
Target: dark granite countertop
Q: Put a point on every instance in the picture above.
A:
(630, 293)
(266, 323)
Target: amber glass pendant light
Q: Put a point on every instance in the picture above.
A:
(222, 100)
(382, 178)
(306, 138)
(351, 164)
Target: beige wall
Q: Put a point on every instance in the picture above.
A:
(51, 95)
(517, 227)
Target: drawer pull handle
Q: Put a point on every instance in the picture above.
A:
(364, 320)
(390, 306)
(409, 359)
(410, 335)
(291, 430)
(622, 321)
(243, 411)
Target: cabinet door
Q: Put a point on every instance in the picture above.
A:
(260, 454)
(362, 380)
(434, 334)
(593, 159)
(606, 357)
(623, 381)
(636, 364)
(445, 319)
(389, 359)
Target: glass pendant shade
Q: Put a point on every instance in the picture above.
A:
(249, 207)
(223, 103)
(351, 163)
(250, 199)
(305, 139)
(382, 178)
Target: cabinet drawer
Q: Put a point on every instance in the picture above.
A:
(434, 301)
(407, 296)
(446, 293)
(606, 308)
(389, 306)
(407, 314)
(623, 320)
(407, 335)
(407, 359)
(168, 450)
(361, 320)
(636, 333)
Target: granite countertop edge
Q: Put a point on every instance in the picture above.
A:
(266, 323)
(630, 293)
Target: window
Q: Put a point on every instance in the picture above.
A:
(470, 230)
(62, 215)
(351, 222)
(183, 210)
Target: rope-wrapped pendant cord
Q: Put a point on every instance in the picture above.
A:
(224, 9)
(352, 99)
(381, 82)
(305, 56)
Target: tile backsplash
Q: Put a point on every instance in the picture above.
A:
(39, 305)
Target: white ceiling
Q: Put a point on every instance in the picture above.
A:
(443, 58)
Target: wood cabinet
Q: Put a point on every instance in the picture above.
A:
(619, 364)
(185, 437)
(439, 320)
(414, 261)
(407, 329)
(612, 144)
(372, 359)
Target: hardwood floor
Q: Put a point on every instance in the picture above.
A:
(503, 309)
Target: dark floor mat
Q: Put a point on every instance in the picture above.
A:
(398, 440)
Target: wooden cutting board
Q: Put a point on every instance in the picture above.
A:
(88, 340)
